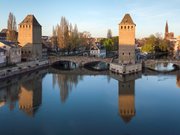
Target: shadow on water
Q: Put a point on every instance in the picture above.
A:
(65, 65)
(97, 66)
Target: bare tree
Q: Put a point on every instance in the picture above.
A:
(54, 37)
(12, 28)
(63, 33)
(68, 36)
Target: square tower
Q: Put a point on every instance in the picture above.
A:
(127, 40)
(29, 37)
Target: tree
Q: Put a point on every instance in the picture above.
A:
(85, 39)
(108, 44)
(54, 41)
(155, 44)
(68, 37)
(109, 33)
(12, 28)
(63, 33)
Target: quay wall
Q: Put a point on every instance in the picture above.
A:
(22, 68)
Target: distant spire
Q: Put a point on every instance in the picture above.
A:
(167, 27)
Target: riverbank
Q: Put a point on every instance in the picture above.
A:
(22, 68)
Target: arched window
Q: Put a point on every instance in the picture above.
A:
(131, 27)
(124, 27)
(121, 27)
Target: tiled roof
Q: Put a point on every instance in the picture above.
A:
(10, 44)
(127, 20)
(30, 19)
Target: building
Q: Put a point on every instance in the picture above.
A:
(3, 34)
(44, 51)
(2, 57)
(13, 52)
(98, 50)
(30, 38)
(168, 35)
(127, 62)
(177, 48)
(127, 40)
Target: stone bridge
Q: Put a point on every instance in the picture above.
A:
(151, 63)
(79, 60)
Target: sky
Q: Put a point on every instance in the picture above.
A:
(97, 16)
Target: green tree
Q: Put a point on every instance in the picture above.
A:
(108, 44)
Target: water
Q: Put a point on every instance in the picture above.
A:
(164, 67)
(52, 102)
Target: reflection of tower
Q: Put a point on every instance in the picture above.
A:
(178, 80)
(30, 96)
(127, 100)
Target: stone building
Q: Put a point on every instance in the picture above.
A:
(30, 33)
(127, 62)
(13, 52)
(2, 57)
(98, 50)
(127, 40)
(177, 48)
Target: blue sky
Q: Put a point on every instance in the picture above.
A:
(96, 16)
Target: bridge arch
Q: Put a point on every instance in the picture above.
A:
(80, 61)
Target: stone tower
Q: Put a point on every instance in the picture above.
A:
(127, 30)
(29, 37)
(127, 100)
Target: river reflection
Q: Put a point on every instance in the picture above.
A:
(65, 83)
(26, 90)
(74, 102)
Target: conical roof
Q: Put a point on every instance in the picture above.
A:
(127, 20)
(30, 20)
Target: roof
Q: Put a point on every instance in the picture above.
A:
(127, 20)
(97, 46)
(10, 44)
(4, 30)
(30, 20)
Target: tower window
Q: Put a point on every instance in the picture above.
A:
(131, 27)
(128, 27)
(129, 53)
(124, 27)
(121, 27)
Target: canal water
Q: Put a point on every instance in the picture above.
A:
(52, 102)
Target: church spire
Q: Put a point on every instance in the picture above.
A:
(167, 27)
